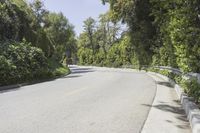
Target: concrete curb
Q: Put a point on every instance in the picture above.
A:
(11, 87)
(191, 109)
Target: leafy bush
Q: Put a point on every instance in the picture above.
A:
(100, 58)
(21, 62)
(7, 69)
(113, 56)
(85, 56)
(192, 88)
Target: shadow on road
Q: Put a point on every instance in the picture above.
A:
(180, 114)
(75, 73)
(71, 76)
(167, 84)
(13, 88)
(17, 87)
(76, 70)
(167, 108)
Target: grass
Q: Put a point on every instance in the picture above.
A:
(60, 71)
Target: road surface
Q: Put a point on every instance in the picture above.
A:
(90, 100)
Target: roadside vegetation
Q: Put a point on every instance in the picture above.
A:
(191, 86)
(159, 33)
(104, 43)
(33, 42)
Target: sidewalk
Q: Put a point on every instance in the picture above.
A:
(166, 114)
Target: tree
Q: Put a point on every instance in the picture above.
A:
(177, 27)
(89, 28)
(107, 32)
(110, 49)
(61, 34)
(14, 17)
(137, 16)
(33, 41)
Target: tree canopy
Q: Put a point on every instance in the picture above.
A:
(162, 32)
(28, 29)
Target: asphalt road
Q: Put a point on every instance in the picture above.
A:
(90, 100)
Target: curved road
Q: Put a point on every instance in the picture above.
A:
(90, 100)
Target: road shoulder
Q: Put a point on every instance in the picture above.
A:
(166, 114)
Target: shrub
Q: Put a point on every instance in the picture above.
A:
(192, 88)
(113, 56)
(85, 56)
(7, 69)
(99, 59)
(21, 62)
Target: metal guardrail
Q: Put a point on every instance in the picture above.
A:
(179, 72)
(173, 70)
(194, 75)
(191, 109)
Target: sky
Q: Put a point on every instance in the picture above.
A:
(77, 10)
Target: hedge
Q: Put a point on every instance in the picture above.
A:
(20, 62)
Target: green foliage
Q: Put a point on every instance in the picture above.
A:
(61, 35)
(85, 56)
(14, 18)
(100, 58)
(177, 40)
(120, 54)
(192, 88)
(185, 36)
(113, 57)
(51, 36)
(61, 71)
(89, 27)
(163, 33)
(7, 70)
(99, 44)
(21, 62)
(109, 51)
(177, 36)
(49, 31)
(136, 14)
